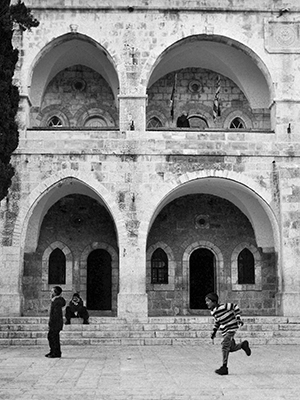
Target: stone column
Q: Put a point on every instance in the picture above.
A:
(10, 297)
(132, 297)
(23, 113)
(132, 112)
(285, 113)
(290, 230)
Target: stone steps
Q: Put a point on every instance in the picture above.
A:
(30, 331)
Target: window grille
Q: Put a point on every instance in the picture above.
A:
(237, 123)
(159, 267)
(55, 122)
(154, 122)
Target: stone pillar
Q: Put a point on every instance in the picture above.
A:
(132, 297)
(132, 112)
(10, 260)
(285, 113)
(10, 296)
(23, 113)
(290, 257)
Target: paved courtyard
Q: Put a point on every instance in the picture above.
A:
(149, 373)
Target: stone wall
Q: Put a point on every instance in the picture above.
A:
(195, 92)
(224, 226)
(76, 95)
(136, 175)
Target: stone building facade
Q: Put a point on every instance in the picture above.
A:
(110, 198)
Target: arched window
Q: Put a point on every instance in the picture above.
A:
(57, 268)
(198, 122)
(237, 123)
(54, 122)
(95, 122)
(154, 122)
(246, 268)
(159, 267)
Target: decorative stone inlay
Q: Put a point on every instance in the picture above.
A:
(202, 221)
(282, 37)
(78, 84)
(195, 86)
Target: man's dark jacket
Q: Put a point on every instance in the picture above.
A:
(56, 316)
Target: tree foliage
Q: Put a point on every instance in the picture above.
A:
(9, 93)
(22, 16)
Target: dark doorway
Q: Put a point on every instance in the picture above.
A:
(99, 280)
(202, 277)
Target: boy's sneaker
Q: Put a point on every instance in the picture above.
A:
(222, 371)
(246, 348)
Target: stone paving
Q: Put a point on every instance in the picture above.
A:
(149, 373)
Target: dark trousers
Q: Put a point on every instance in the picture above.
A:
(54, 342)
(229, 345)
(82, 313)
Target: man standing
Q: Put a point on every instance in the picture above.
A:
(55, 322)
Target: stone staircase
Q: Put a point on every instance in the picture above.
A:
(190, 330)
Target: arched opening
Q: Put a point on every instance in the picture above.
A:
(99, 280)
(202, 277)
(54, 122)
(78, 91)
(95, 122)
(61, 55)
(205, 222)
(159, 267)
(57, 268)
(187, 73)
(246, 268)
(154, 122)
(197, 122)
(237, 123)
(71, 219)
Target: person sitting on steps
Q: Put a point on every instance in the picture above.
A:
(76, 309)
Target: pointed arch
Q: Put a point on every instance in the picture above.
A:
(171, 267)
(65, 51)
(257, 285)
(219, 265)
(251, 198)
(254, 201)
(114, 268)
(36, 205)
(221, 54)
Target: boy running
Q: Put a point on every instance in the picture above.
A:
(227, 318)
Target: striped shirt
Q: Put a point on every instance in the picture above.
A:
(226, 317)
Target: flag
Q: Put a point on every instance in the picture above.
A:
(172, 99)
(216, 104)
